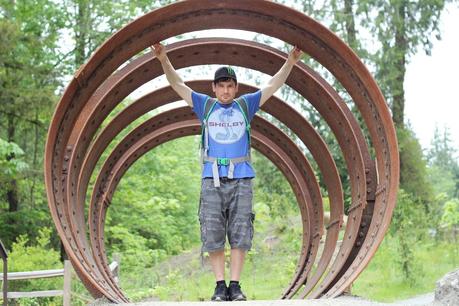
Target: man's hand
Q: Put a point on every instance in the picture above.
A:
(294, 55)
(159, 50)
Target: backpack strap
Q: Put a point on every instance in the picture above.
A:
(208, 107)
(244, 106)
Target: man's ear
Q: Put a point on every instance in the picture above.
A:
(237, 87)
(213, 86)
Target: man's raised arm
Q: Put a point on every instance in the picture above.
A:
(279, 78)
(172, 76)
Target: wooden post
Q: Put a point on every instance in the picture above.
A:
(67, 282)
(5, 282)
(4, 256)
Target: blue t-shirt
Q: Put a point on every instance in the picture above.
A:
(227, 132)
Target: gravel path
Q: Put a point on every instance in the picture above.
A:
(341, 301)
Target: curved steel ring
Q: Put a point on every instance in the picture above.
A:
(132, 80)
(66, 149)
(157, 98)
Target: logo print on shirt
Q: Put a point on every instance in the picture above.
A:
(226, 125)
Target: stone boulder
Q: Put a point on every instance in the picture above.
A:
(447, 291)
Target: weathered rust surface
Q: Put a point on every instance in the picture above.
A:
(95, 91)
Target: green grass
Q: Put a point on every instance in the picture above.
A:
(383, 280)
(268, 271)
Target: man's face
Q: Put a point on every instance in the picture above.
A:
(225, 91)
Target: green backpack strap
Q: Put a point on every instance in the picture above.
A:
(243, 105)
(208, 107)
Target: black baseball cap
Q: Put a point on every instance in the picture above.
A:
(225, 73)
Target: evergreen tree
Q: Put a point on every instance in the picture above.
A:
(443, 164)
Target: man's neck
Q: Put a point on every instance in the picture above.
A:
(225, 103)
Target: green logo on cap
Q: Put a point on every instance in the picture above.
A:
(230, 71)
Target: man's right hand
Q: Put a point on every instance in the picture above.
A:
(159, 50)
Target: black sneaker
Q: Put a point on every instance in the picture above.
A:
(220, 293)
(235, 293)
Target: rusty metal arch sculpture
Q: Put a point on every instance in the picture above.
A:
(95, 90)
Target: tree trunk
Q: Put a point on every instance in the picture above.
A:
(81, 31)
(350, 24)
(34, 160)
(12, 186)
(398, 103)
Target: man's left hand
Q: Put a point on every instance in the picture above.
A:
(295, 55)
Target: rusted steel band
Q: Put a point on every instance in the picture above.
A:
(101, 190)
(297, 180)
(155, 99)
(132, 80)
(352, 74)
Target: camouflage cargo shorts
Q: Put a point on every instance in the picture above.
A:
(226, 211)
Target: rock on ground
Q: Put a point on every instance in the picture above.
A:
(447, 291)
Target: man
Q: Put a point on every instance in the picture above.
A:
(226, 192)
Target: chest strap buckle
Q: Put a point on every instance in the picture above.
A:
(223, 161)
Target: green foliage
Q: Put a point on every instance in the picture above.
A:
(442, 180)
(408, 227)
(384, 281)
(11, 162)
(25, 222)
(413, 170)
(443, 172)
(92, 22)
(450, 219)
(28, 83)
(29, 255)
(272, 188)
(443, 162)
(154, 211)
(27, 62)
(450, 216)
(267, 269)
(33, 255)
(399, 29)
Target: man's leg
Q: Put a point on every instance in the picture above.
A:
(217, 261)
(237, 263)
(240, 233)
(213, 229)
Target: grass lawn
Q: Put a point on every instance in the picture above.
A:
(383, 280)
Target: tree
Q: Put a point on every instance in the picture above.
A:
(27, 81)
(450, 220)
(408, 228)
(10, 167)
(401, 27)
(414, 174)
(33, 64)
(443, 164)
(396, 29)
(92, 22)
